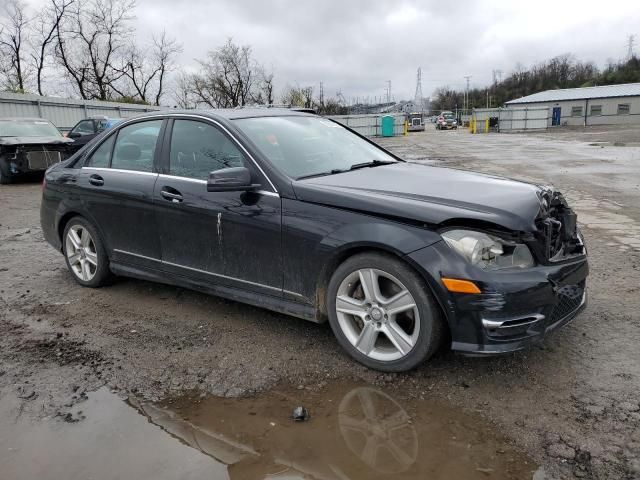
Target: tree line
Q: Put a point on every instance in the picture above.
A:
(87, 44)
(563, 71)
(230, 77)
(90, 48)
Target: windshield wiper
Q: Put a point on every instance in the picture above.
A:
(323, 174)
(373, 163)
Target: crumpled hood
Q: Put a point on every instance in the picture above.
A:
(35, 140)
(427, 194)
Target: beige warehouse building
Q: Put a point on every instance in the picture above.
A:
(605, 105)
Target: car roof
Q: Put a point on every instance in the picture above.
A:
(232, 113)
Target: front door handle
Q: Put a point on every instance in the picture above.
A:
(173, 197)
(96, 180)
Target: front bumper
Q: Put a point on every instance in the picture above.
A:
(515, 309)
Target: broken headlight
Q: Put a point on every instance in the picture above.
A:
(487, 251)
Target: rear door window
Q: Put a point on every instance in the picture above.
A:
(199, 148)
(136, 146)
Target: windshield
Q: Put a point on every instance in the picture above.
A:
(28, 128)
(306, 146)
(447, 115)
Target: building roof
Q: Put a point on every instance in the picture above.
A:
(605, 91)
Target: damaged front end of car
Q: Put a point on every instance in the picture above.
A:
(24, 158)
(528, 283)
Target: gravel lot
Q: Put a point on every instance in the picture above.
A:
(571, 405)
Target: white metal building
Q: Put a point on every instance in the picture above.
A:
(605, 105)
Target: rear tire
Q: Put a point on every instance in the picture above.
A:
(85, 254)
(382, 313)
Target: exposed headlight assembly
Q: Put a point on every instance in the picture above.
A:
(487, 251)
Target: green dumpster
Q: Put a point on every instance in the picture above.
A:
(386, 126)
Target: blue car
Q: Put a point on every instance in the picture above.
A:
(86, 130)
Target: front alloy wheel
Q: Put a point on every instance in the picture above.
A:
(377, 314)
(382, 313)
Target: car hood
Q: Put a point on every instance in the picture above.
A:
(426, 194)
(35, 140)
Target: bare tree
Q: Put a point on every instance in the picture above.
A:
(13, 31)
(144, 71)
(229, 77)
(44, 28)
(166, 50)
(89, 41)
(307, 94)
(183, 91)
(267, 88)
(292, 96)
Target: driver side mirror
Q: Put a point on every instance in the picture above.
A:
(234, 179)
(73, 135)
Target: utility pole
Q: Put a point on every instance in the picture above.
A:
(321, 94)
(631, 41)
(388, 91)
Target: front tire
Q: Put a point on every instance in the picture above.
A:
(84, 253)
(382, 313)
(5, 177)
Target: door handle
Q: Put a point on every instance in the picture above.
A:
(174, 197)
(96, 180)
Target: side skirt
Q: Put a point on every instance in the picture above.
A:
(276, 304)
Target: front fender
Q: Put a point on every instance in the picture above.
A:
(317, 238)
(396, 237)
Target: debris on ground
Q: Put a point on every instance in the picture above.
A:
(300, 414)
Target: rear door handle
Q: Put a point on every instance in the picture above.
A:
(96, 180)
(173, 197)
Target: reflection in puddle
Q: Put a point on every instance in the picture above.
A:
(353, 433)
(378, 430)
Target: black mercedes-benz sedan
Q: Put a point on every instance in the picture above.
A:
(296, 213)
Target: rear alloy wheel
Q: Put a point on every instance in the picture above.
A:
(382, 314)
(84, 253)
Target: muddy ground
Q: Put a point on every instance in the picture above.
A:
(570, 407)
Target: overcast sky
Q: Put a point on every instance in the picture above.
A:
(357, 45)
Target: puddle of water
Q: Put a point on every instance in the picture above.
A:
(354, 433)
(113, 442)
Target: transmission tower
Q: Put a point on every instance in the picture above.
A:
(466, 94)
(388, 91)
(497, 76)
(321, 94)
(631, 41)
(418, 96)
